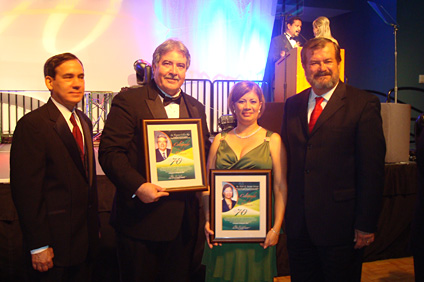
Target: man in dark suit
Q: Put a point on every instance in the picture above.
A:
(52, 177)
(162, 152)
(283, 43)
(279, 47)
(156, 230)
(335, 170)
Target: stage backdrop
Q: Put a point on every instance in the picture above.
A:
(227, 39)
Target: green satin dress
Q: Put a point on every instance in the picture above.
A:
(244, 262)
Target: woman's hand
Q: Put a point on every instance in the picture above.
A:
(271, 239)
(209, 232)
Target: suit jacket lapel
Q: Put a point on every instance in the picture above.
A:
(154, 103)
(89, 145)
(62, 129)
(287, 44)
(334, 104)
(302, 108)
(192, 110)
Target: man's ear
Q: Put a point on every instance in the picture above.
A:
(48, 80)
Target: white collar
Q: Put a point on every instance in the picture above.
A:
(326, 95)
(66, 113)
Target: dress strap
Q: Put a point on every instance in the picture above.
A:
(268, 135)
(223, 135)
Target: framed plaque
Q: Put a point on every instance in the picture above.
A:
(175, 156)
(240, 205)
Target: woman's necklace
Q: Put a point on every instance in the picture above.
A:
(250, 135)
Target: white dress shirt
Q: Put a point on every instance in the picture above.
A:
(312, 101)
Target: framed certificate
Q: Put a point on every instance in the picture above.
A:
(240, 205)
(175, 156)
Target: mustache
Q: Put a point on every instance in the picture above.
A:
(173, 77)
(323, 73)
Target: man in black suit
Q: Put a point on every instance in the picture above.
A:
(283, 43)
(156, 230)
(162, 152)
(335, 170)
(279, 47)
(53, 180)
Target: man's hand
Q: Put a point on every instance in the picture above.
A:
(149, 193)
(43, 261)
(363, 239)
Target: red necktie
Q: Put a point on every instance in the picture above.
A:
(78, 136)
(315, 113)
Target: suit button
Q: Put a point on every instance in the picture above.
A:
(307, 171)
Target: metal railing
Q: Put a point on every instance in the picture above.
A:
(97, 107)
(202, 90)
(96, 104)
(16, 104)
(13, 106)
(221, 90)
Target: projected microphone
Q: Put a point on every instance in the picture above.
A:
(303, 37)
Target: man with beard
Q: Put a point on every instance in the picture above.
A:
(336, 148)
(156, 230)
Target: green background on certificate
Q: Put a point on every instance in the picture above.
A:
(181, 141)
(175, 173)
(245, 214)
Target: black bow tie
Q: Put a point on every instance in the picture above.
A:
(168, 100)
(291, 37)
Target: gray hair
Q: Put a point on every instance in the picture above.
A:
(168, 46)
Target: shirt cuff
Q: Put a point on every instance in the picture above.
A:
(39, 250)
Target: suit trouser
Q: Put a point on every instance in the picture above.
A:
(419, 266)
(309, 262)
(77, 273)
(150, 261)
(12, 254)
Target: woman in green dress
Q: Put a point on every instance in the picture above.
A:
(247, 146)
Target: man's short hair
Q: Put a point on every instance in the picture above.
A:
(161, 136)
(168, 46)
(316, 44)
(55, 61)
(291, 20)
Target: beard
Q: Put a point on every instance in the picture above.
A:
(315, 82)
